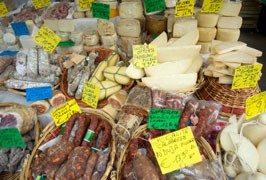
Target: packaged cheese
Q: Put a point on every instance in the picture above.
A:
(228, 34)
(205, 47)
(128, 27)
(230, 8)
(191, 38)
(207, 19)
(105, 27)
(183, 26)
(229, 22)
(206, 34)
(131, 10)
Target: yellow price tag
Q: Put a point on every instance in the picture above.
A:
(144, 55)
(211, 6)
(84, 4)
(256, 105)
(64, 112)
(176, 150)
(47, 39)
(91, 94)
(246, 76)
(40, 3)
(3, 9)
(184, 8)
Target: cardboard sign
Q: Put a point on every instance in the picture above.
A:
(20, 28)
(85, 4)
(184, 8)
(211, 6)
(40, 3)
(100, 10)
(91, 94)
(256, 105)
(47, 39)
(144, 55)
(176, 150)
(77, 58)
(3, 9)
(154, 5)
(11, 137)
(246, 76)
(64, 112)
(39, 93)
(163, 119)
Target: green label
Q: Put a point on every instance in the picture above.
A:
(66, 44)
(163, 119)
(89, 135)
(63, 129)
(154, 5)
(100, 10)
(11, 137)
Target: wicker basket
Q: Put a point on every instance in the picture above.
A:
(50, 131)
(232, 101)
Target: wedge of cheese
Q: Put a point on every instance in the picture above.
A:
(227, 34)
(207, 19)
(230, 8)
(218, 70)
(232, 65)
(219, 65)
(225, 80)
(217, 74)
(196, 65)
(205, 47)
(170, 23)
(161, 40)
(251, 51)
(183, 26)
(131, 10)
(190, 38)
(225, 47)
(229, 22)
(235, 56)
(171, 41)
(128, 27)
(169, 68)
(206, 34)
(171, 83)
(166, 54)
(134, 72)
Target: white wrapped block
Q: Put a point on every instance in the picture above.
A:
(131, 10)
(128, 28)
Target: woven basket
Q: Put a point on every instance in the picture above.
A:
(201, 142)
(232, 101)
(51, 131)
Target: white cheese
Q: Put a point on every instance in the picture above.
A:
(170, 23)
(205, 47)
(105, 27)
(206, 34)
(225, 47)
(183, 26)
(207, 19)
(251, 51)
(128, 27)
(229, 22)
(131, 10)
(66, 25)
(226, 80)
(134, 72)
(109, 40)
(196, 65)
(170, 3)
(227, 34)
(190, 38)
(232, 65)
(160, 40)
(230, 8)
(235, 56)
(52, 24)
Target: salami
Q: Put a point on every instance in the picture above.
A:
(83, 123)
(32, 63)
(158, 99)
(90, 165)
(189, 114)
(44, 63)
(174, 102)
(69, 125)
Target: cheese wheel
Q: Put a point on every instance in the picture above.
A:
(207, 19)
(128, 28)
(105, 27)
(10, 39)
(183, 26)
(206, 34)
(131, 10)
(228, 34)
(205, 47)
(155, 24)
(90, 38)
(230, 8)
(229, 22)
(126, 43)
(109, 40)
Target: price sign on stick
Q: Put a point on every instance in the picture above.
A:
(47, 39)
(40, 3)
(100, 10)
(11, 137)
(39, 93)
(20, 28)
(184, 8)
(154, 5)
(211, 6)
(64, 112)
(246, 76)
(144, 55)
(256, 105)
(91, 94)
(3, 9)
(85, 4)
(176, 150)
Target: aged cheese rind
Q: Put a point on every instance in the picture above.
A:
(206, 34)
(229, 22)
(183, 26)
(207, 19)
(230, 8)
(131, 10)
(128, 28)
(227, 34)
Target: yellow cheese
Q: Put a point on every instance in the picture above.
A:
(128, 28)
(183, 26)
(225, 80)
(227, 34)
(190, 38)
(205, 47)
(225, 47)
(251, 51)
(207, 19)
(197, 63)
(131, 10)
(206, 34)
(230, 8)
(229, 22)
(161, 40)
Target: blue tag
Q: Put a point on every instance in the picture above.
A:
(8, 53)
(39, 93)
(20, 28)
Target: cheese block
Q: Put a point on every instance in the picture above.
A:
(166, 54)
(227, 34)
(171, 41)
(223, 71)
(170, 3)
(109, 40)
(217, 74)
(208, 73)
(169, 68)
(126, 43)
(134, 72)
(170, 23)
(105, 27)
(207, 19)
(225, 47)
(219, 65)
(230, 8)
(171, 83)
(229, 22)
(232, 65)
(52, 24)
(251, 51)
(91, 38)
(128, 27)
(160, 41)
(206, 34)
(131, 10)
(196, 65)
(205, 47)
(155, 24)
(235, 56)
(225, 80)
(183, 26)
(66, 25)
(190, 38)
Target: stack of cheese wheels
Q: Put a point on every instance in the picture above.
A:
(207, 29)
(229, 22)
(130, 26)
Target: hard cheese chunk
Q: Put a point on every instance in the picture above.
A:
(207, 19)
(230, 8)
(229, 22)
(131, 10)
(183, 26)
(235, 56)
(205, 47)
(196, 65)
(225, 47)
(105, 27)
(227, 34)
(206, 34)
(190, 38)
(160, 41)
(128, 27)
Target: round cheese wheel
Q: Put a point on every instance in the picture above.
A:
(207, 19)
(10, 39)
(91, 38)
(156, 24)
(227, 34)
(206, 34)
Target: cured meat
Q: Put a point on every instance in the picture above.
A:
(51, 78)
(118, 99)
(7, 73)
(61, 173)
(174, 102)
(58, 11)
(39, 163)
(32, 63)
(101, 165)
(10, 119)
(74, 85)
(91, 130)
(40, 107)
(21, 64)
(128, 171)
(69, 125)
(158, 98)
(106, 137)
(57, 99)
(83, 123)
(19, 84)
(50, 170)
(91, 163)
(44, 63)
(4, 62)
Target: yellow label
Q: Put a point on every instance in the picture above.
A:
(144, 55)
(184, 8)
(176, 150)
(84, 4)
(91, 94)
(64, 112)
(3, 9)
(40, 3)
(256, 105)
(47, 39)
(211, 6)
(246, 76)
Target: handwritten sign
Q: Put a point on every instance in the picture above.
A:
(3, 9)
(100, 10)
(154, 5)
(176, 150)
(11, 137)
(184, 8)
(256, 105)
(40, 3)
(211, 6)
(144, 55)
(20, 28)
(64, 112)
(246, 76)
(39, 93)
(90, 94)
(47, 39)
(84, 4)
(163, 119)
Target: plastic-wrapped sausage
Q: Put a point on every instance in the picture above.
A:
(91, 163)
(93, 119)
(189, 114)
(174, 102)
(83, 123)
(101, 164)
(32, 63)
(158, 98)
